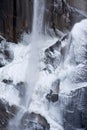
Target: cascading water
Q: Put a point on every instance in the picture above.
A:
(33, 65)
(38, 17)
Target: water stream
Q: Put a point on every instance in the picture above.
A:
(33, 65)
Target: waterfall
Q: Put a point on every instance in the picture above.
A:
(36, 35)
(38, 17)
(33, 65)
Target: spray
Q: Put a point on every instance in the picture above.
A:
(33, 65)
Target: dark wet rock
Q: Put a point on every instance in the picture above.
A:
(75, 112)
(6, 55)
(52, 97)
(21, 87)
(7, 81)
(56, 86)
(2, 38)
(34, 121)
(15, 17)
(52, 56)
(7, 112)
(55, 54)
(59, 15)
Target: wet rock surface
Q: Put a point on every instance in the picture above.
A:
(6, 55)
(55, 54)
(34, 121)
(15, 18)
(75, 113)
(75, 103)
(52, 97)
(7, 112)
(20, 86)
(52, 56)
(59, 14)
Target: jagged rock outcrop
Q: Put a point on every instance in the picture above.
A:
(52, 56)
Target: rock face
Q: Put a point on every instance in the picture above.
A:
(6, 113)
(52, 56)
(34, 121)
(6, 55)
(73, 52)
(75, 113)
(16, 16)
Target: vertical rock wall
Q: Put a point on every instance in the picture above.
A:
(63, 14)
(16, 16)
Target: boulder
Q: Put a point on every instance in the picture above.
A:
(52, 97)
(21, 87)
(34, 121)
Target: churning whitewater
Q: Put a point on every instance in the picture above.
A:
(32, 74)
(51, 69)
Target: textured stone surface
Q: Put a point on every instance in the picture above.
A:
(75, 113)
(6, 55)
(6, 112)
(16, 16)
(34, 121)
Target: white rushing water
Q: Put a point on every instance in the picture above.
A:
(38, 19)
(33, 65)
(68, 72)
(36, 36)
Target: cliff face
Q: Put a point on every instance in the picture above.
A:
(16, 16)
(75, 114)
(65, 13)
(77, 4)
